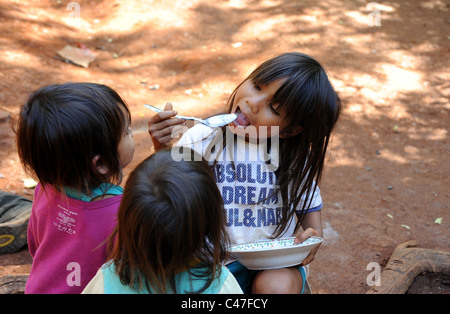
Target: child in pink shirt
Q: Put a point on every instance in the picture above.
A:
(75, 140)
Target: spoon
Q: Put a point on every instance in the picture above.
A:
(214, 121)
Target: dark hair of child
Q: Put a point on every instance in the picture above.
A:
(61, 128)
(310, 101)
(171, 219)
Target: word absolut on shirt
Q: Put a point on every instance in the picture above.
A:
(243, 172)
(236, 140)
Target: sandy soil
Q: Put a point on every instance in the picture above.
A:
(387, 176)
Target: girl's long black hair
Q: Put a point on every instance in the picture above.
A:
(171, 219)
(309, 101)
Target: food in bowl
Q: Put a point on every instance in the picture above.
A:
(272, 254)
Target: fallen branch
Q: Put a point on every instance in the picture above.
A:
(406, 262)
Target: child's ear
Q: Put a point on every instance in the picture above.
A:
(99, 165)
(288, 132)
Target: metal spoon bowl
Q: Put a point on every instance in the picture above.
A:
(214, 121)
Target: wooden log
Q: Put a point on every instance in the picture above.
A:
(13, 284)
(13, 278)
(406, 262)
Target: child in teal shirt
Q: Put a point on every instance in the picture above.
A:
(170, 236)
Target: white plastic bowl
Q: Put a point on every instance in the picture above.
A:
(271, 254)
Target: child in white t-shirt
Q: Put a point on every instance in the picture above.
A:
(267, 163)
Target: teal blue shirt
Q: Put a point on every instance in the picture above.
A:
(106, 281)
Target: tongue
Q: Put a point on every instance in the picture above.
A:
(242, 119)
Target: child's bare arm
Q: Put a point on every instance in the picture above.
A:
(312, 226)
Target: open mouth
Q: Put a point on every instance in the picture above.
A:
(242, 119)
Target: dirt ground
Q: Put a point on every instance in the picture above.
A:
(387, 176)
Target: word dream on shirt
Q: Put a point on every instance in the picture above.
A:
(244, 185)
